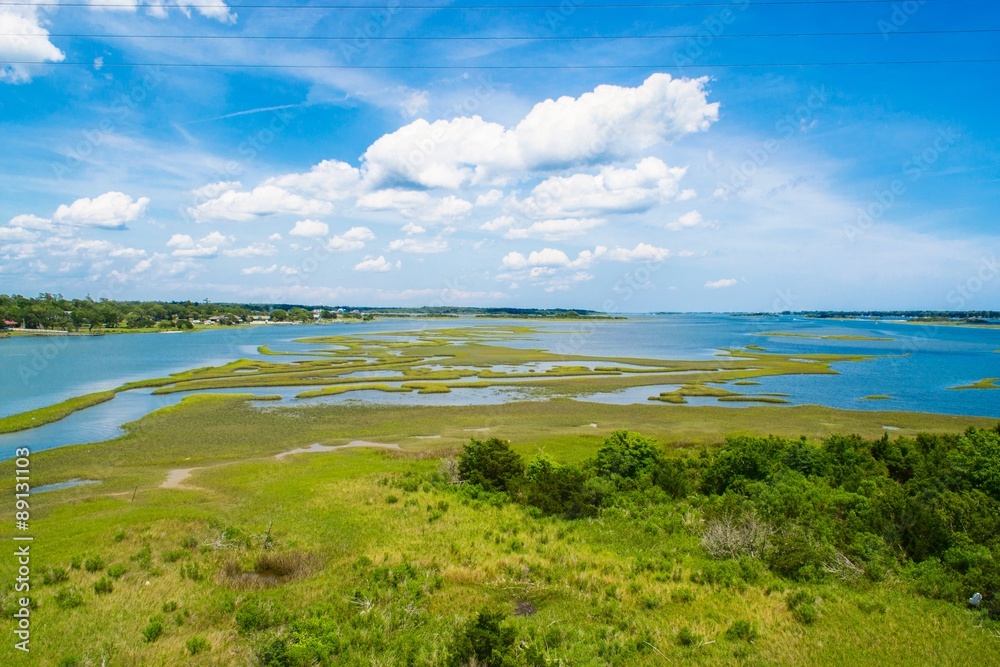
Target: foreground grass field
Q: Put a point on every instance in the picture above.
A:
(373, 551)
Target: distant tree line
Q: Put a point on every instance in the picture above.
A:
(927, 315)
(52, 311)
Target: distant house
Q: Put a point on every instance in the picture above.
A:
(260, 318)
(10, 324)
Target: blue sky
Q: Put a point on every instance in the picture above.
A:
(679, 183)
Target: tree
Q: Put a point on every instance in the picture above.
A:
(491, 464)
(299, 315)
(626, 454)
(279, 315)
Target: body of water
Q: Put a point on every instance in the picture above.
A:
(915, 365)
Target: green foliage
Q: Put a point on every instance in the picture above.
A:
(196, 645)
(742, 630)
(117, 571)
(802, 606)
(68, 598)
(483, 640)
(626, 455)
(103, 586)
(153, 630)
(54, 575)
(687, 637)
(93, 564)
(558, 489)
(490, 464)
(253, 615)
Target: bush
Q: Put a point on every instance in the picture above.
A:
(490, 464)
(557, 490)
(253, 615)
(197, 645)
(153, 630)
(103, 586)
(794, 556)
(117, 571)
(800, 603)
(54, 575)
(483, 640)
(626, 454)
(68, 598)
(93, 564)
(687, 637)
(742, 630)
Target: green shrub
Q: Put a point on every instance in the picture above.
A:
(153, 630)
(557, 489)
(120, 535)
(174, 555)
(687, 637)
(490, 464)
(93, 564)
(802, 607)
(54, 575)
(169, 607)
(117, 571)
(103, 586)
(391, 499)
(484, 640)
(189, 542)
(682, 595)
(742, 630)
(626, 454)
(70, 661)
(197, 645)
(794, 556)
(75, 562)
(68, 598)
(253, 615)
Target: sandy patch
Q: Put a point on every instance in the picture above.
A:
(427, 437)
(175, 479)
(316, 447)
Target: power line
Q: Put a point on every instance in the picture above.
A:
(851, 63)
(395, 8)
(526, 38)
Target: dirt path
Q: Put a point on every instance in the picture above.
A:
(176, 478)
(316, 447)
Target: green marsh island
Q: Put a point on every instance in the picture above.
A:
(541, 528)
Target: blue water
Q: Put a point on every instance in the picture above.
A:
(916, 366)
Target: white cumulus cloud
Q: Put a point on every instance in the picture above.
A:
(111, 210)
(260, 202)
(419, 246)
(721, 284)
(310, 229)
(353, 239)
(609, 123)
(377, 264)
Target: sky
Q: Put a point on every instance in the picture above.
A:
(569, 154)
